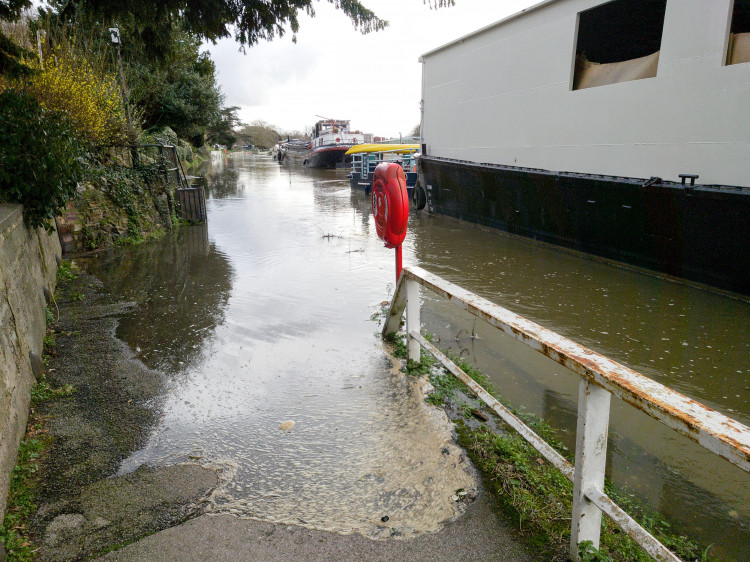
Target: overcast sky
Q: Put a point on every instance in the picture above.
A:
(373, 80)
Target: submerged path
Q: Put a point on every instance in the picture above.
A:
(264, 318)
(235, 372)
(480, 534)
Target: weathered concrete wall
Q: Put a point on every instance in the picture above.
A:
(27, 266)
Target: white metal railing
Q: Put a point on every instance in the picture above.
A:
(601, 377)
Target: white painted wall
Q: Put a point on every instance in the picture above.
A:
(503, 96)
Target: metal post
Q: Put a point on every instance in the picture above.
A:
(114, 33)
(39, 35)
(591, 459)
(412, 319)
(398, 262)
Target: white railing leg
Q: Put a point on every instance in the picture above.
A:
(591, 459)
(412, 319)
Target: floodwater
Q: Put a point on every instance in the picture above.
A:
(264, 317)
(263, 321)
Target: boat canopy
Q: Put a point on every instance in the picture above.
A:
(397, 148)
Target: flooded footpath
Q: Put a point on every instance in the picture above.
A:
(260, 325)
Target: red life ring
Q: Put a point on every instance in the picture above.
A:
(390, 203)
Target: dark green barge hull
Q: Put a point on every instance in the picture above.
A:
(700, 233)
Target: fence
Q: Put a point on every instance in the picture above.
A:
(191, 199)
(600, 379)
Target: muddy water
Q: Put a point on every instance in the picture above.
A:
(691, 340)
(264, 318)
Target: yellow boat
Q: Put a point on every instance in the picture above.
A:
(365, 157)
(393, 148)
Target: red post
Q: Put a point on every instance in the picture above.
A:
(398, 262)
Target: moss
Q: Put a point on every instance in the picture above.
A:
(123, 205)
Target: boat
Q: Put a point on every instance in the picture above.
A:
(617, 129)
(329, 141)
(292, 149)
(365, 157)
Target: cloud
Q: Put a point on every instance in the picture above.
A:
(333, 70)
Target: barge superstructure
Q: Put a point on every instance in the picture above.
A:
(329, 141)
(620, 129)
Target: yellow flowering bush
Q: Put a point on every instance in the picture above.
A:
(89, 98)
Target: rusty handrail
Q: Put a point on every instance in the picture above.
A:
(600, 378)
(713, 430)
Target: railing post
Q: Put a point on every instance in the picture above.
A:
(591, 459)
(412, 319)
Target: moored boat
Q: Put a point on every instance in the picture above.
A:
(366, 157)
(329, 141)
(614, 128)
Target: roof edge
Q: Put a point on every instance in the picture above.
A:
(503, 21)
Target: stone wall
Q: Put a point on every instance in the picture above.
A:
(94, 221)
(28, 266)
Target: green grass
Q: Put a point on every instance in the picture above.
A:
(21, 501)
(67, 271)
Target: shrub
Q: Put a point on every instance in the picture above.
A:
(89, 96)
(42, 158)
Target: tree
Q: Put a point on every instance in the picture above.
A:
(260, 134)
(177, 89)
(249, 21)
(221, 131)
(10, 52)
(42, 158)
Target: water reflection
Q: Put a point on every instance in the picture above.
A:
(293, 273)
(181, 285)
(681, 336)
(221, 183)
(292, 281)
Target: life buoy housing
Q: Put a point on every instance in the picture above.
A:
(390, 203)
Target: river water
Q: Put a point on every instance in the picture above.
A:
(265, 316)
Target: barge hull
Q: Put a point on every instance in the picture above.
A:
(327, 157)
(699, 233)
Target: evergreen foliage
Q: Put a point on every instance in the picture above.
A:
(250, 21)
(177, 90)
(222, 130)
(42, 158)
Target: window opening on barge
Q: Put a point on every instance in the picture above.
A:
(617, 42)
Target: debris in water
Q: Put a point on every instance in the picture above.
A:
(287, 425)
(385, 518)
(455, 498)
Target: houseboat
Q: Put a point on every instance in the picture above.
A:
(366, 157)
(619, 129)
(329, 141)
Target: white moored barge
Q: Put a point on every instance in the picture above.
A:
(620, 129)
